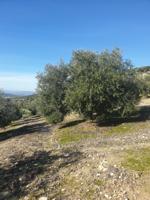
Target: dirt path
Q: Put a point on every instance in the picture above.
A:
(35, 165)
(17, 148)
(25, 158)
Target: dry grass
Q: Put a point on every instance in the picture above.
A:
(145, 102)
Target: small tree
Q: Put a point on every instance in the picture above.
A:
(27, 104)
(102, 85)
(8, 111)
(4, 118)
(51, 92)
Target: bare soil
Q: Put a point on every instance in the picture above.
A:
(35, 165)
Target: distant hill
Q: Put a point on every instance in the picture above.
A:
(9, 93)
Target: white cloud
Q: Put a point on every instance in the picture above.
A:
(18, 81)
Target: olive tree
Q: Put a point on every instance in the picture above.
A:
(51, 92)
(8, 111)
(102, 85)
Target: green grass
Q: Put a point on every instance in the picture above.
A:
(138, 160)
(121, 129)
(75, 133)
(69, 135)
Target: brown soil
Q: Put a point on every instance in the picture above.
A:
(34, 165)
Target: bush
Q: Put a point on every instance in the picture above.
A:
(28, 103)
(55, 117)
(26, 113)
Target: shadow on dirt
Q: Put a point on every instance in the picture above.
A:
(24, 130)
(141, 115)
(21, 172)
(72, 123)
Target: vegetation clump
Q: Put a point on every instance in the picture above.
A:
(51, 92)
(97, 86)
(99, 182)
(9, 111)
(27, 105)
(69, 135)
(102, 85)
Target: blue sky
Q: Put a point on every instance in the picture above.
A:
(36, 32)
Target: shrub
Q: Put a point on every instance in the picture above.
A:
(26, 113)
(28, 103)
(55, 117)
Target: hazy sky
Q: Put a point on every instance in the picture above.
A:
(36, 32)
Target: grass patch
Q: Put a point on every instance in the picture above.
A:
(69, 135)
(75, 133)
(98, 182)
(127, 128)
(138, 160)
(70, 182)
(121, 129)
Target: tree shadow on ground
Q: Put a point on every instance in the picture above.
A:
(24, 130)
(72, 123)
(141, 115)
(21, 172)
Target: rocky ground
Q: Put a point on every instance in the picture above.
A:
(76, 160)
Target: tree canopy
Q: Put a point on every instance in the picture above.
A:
(51, 92)
(102, 84)
(96, 85)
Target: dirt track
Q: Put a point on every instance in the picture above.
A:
(33, 164)
(27, 164)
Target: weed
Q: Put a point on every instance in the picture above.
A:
(98, 182)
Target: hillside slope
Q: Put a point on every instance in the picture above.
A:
(76, 159)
